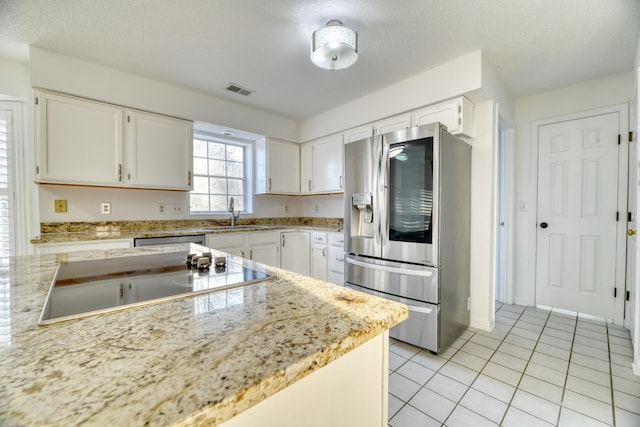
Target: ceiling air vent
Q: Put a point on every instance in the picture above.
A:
(238, 89)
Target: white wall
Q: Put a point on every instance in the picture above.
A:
(589, 95)
(449, 80)
(484, 163)
(90, 80)
(327, 206)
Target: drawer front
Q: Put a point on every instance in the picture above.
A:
(263, 238)
(336, 278)
(336, 260)
(317, 237)
(422, 328)
(336, 239)
(225, 240)
(408, 280)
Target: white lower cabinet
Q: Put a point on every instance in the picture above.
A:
(319, 255)
(85, 245)
(294, 251)
(231, 243)
(336, 258)
(262, 247)
(350, 391)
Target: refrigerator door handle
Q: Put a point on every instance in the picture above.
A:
(417, 309)
(389, 269)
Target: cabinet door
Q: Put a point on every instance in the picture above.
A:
(306, 168)
(231, 243)
(266, 254)
(456, 115)
(319, 262)
(264, 247)
(294, 251)
(392, 124)
(77, 141)
(328, 159)
(277, 166)
(160, 151)
(358, 133)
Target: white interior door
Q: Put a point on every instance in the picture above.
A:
(632, 226)
(576, 218)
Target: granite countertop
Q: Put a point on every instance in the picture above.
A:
(74, 232)
(196, 360)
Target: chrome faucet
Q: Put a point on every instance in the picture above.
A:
(233, 215)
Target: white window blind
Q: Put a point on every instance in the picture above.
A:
(6, 222)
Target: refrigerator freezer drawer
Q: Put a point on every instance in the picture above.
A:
(422, 328)
(407, 280)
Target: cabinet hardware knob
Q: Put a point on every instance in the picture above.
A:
(631, 232)
(543, 225)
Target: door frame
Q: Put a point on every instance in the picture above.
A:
(506, 195)
(621, 226)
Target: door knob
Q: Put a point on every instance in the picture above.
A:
(631, 232)
(543, 225)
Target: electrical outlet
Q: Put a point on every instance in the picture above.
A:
(177, 208)
(317, 208)
(105, 208)
(285, 208)
(60, 205)
(162, 208)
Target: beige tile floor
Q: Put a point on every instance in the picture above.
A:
(536, 368)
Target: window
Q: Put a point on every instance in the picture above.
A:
(220, 171)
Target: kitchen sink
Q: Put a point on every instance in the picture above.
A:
(86, 288)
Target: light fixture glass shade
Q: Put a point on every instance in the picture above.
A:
(334, 47)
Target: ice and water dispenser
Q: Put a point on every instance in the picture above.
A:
(362, 214)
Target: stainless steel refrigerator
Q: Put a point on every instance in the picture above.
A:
(406, 224)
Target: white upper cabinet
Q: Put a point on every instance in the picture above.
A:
(85, 142)
(160, 151)
(391, 124)
(306, 168)
(78, 141)
(358, 133)
(456, 114)
(277, 166)
(322, 163)
(328, 163)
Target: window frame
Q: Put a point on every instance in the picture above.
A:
(247, 173)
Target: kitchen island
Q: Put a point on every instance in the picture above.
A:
(211, 359)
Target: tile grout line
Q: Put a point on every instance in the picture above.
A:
(566, 375)
(517, 386)
(613, 402)
(483, 366)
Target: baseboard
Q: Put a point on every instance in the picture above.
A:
(483, 324)
(522, 301)
(636, 367)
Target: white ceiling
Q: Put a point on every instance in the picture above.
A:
(534, 45)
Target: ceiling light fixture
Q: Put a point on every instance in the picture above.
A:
(334, 47)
